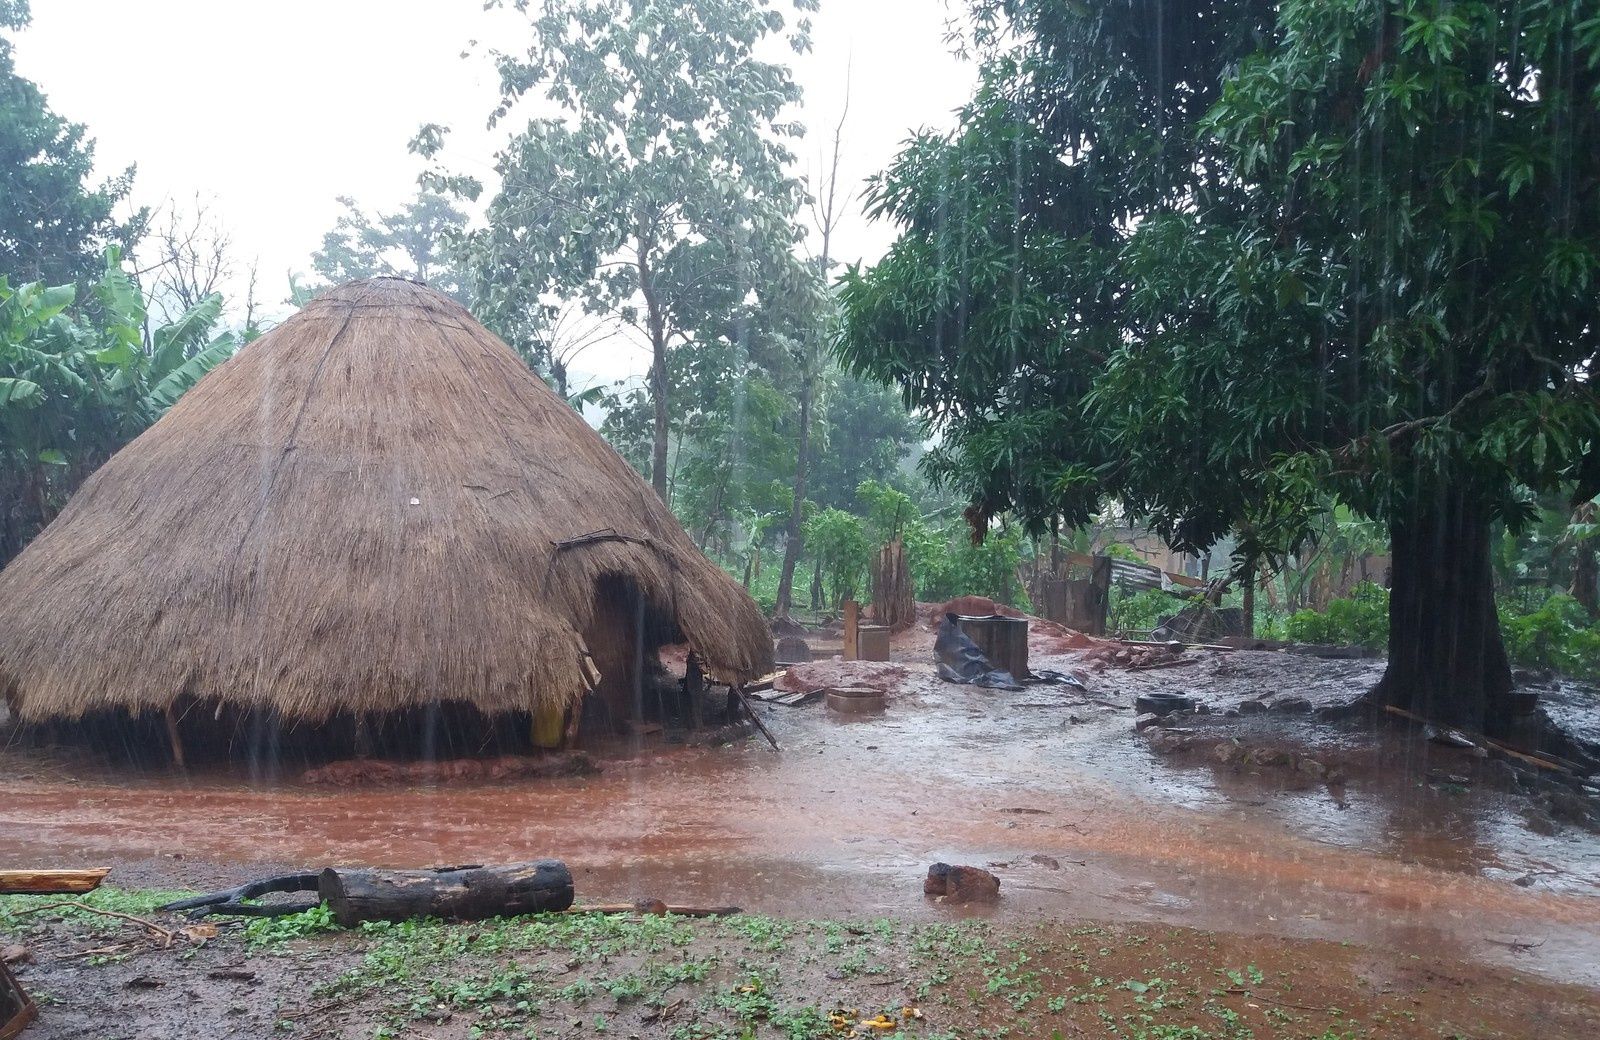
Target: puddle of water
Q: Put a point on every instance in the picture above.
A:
(846, 818)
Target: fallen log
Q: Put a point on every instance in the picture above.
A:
(51, 882)
(453, 893)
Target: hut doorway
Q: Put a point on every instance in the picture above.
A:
(626, 630)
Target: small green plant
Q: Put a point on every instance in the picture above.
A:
(266, 931)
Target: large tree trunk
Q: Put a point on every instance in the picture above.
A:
(1447, 661)
(656, 324)
(795, 540)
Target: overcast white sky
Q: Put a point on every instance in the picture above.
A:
(271, 110)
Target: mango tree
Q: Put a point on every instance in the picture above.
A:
(1224, 263)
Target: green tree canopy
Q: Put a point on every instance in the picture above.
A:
(412, 242)
(53, 223)
(79, 379)
(658, 192)
(1227, 261)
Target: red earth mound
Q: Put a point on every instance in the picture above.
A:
(833, 673)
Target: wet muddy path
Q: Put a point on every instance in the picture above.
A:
(1049, 788)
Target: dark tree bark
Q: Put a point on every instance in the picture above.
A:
(1447, 661)
(1247, 601)
(795, 541)
(656, 326)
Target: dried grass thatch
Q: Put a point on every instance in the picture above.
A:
(358, 513)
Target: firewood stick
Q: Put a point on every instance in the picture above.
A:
(164, 933)
(1495, 744)
(51, 882)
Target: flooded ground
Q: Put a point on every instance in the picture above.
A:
(1049, 787)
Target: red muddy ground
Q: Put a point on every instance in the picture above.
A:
(1049, 787)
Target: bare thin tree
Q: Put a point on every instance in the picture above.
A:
(827, 207)
(185, 257)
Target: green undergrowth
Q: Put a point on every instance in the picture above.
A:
(749, 977)
(21, 914)
(752, 976)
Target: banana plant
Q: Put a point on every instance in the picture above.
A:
(78, 382)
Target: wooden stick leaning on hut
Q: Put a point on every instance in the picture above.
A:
(751, 711)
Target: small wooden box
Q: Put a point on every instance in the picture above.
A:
(872, 643)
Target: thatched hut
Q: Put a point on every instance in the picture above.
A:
(374, 508)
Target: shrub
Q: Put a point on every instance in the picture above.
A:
(1361, 620)
(1558, 635)
(840, 541)
(1140, 611)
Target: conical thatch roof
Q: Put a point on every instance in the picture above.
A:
(357, 513)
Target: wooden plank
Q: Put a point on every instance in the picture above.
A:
(1480, 738)
(795, 700)
(51, 882)
(1180, 662)
(852, 630)
(766, 681)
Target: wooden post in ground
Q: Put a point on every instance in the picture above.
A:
(1100, 582)
(174, 739)
(852, 630)
(1247, 602)
(694, 688)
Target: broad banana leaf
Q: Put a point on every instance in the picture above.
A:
(124, 307)
(26, 309)
(177, 382)
(18, 392)
(173, 342)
